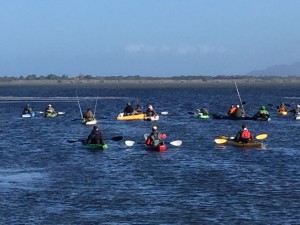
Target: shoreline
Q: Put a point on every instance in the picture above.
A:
(157, 82)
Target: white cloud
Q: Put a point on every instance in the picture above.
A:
(179, 50)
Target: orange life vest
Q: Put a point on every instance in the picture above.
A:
(232, 110)
(245, 134)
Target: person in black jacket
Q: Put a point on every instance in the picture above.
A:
(95, 137)
(128, 109)
(296, 111)
(27, 109)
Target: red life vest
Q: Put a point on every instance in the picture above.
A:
(148, 141)
(245, 134)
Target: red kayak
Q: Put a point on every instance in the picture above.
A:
(160, 147)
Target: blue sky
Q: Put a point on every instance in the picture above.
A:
(147, 37)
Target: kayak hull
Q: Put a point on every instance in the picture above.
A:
(130, 117)
(89, 122)
(94, 147)
(28, 115)
(159, 148)
(151, 118)
(282, 113)
(249, 144)
(201, 116)
(215, 116)
(50, 115)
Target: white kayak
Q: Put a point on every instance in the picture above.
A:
(89, 122)
(28, 115)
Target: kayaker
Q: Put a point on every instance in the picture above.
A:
(95, 137)
(128, 109)
(231, 111)
(150, 111)
(262, 113)
(89, 115)
(244, 135)
(154, 137)
(138, 109)
(50, 109)
(282, 107)
(238, 112)
(27, 109)
(204, 111)
(296, 111)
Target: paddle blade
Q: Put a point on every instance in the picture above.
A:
(72, 141)
(129, 143)
(176, 143)
(164, 113)
(61, 113)
(261, 136)
(117, 138)
(220, 141)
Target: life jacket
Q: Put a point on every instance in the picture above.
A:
(232, 110)
(281, 109)
(245, 134)
(148, 141)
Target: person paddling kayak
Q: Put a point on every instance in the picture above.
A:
(88, 115)
(296, 111)
(244, 135)
(231, 111)
(128, 110)
(262, 113)
(150, 111)
(95, 137)
(154, 137)
(27, 109)
(282, 108)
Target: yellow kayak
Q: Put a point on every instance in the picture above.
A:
(282, 113)
(121, 116)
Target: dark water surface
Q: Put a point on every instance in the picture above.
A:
(46, 180)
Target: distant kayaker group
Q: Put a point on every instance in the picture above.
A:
(155, 139)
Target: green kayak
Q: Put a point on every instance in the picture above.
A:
(202, 116)
(96, 146)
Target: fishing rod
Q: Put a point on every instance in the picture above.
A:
(237, 90)
(95, 108)
(79, 104)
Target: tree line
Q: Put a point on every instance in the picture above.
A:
(138, 77)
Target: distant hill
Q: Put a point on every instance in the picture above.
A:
(279, 70)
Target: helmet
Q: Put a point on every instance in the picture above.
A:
(263, 107)
(27, 105)
(128, 103)
(150, 107)
(298, 106)
(154, 128)
(238, 106)
(244, 126)
(49, 105)
(95, 128)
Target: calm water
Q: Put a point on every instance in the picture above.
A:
(46, 180)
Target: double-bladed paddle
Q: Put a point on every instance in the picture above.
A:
(223, 139)
(116, 138)
(177, 143)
